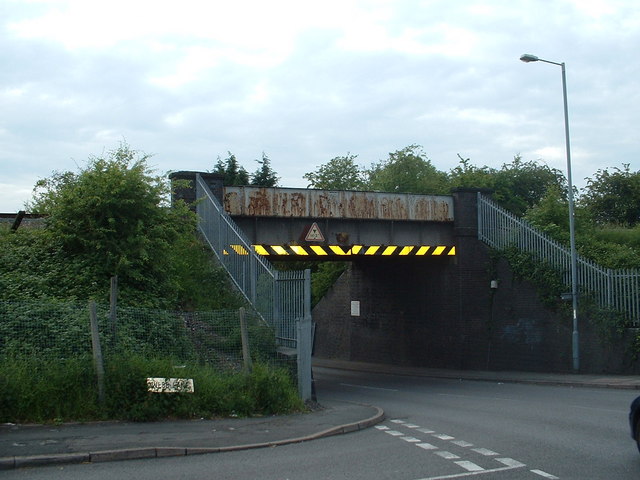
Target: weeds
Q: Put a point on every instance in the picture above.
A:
(34, 390)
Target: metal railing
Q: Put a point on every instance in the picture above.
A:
(281, 298)
(617, 290)
(278, 296)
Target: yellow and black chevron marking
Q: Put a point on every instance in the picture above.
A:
(338, 251)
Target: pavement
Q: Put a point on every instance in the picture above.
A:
(38, 445)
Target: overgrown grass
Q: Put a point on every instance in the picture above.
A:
(33, 390)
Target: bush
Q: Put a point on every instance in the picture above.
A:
(267, 390)
(34, 389)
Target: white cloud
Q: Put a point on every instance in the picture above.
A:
(305, 82)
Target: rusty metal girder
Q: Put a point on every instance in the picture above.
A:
(301, 203)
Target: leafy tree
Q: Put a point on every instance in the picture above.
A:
(234, 173)
(519, 185)
(110, 219)
(466, 175)
(551, 215)
(265, 176)
(610, 248)
(339, 173)
(614, 197)
(409, 171)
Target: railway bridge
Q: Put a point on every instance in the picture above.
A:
(421, 287)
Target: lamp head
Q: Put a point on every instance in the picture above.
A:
(529, 58)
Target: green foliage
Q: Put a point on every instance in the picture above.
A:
(111, 219)
(234, 173)
(339, 173)
(200, 283)
(265, 176)
(32, 264)
(608, 324)
(466, 175)
(54, 329)
(408, 171)
(323, 275)
(609, 247)
(620, 235)
(614, 197)
(323, 278)
(546, 279)
(517, 186)
(551, 213)
(520, 185)
(35, 390)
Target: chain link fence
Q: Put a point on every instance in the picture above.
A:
(58, 330)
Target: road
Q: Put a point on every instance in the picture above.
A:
(435, 429)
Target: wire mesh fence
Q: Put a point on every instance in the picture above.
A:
(56, 330)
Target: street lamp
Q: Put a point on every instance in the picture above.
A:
(572, 233)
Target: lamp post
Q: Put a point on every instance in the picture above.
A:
(572, 233)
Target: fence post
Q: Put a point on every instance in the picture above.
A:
(244, 335)
(304, 343)
(97, 351)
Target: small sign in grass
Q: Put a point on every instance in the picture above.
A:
(170, 385)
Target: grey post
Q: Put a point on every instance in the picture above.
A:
(304, 342)
(572, 235)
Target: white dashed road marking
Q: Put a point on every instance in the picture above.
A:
(367, 387)
(442, 436)
(510, 462)
(462, 443)
(470, 468)
(484, 451)
(427, 446)
(545, 474)
(446, 455)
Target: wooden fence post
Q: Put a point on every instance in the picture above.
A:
(244, 335)
(97, 350)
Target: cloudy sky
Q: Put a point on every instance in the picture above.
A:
(304, 82)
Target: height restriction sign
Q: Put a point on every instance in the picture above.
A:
(314, 234)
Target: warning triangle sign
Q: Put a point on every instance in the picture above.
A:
(314, 234)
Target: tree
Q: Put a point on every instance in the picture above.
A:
(339, 173)
(265, 176)
(551, 214)
(112, 218)
(520, 185)
(614, 197)
(234, 173)
(409, 171)
(466, 175)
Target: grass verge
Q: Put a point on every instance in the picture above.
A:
(33, 390)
